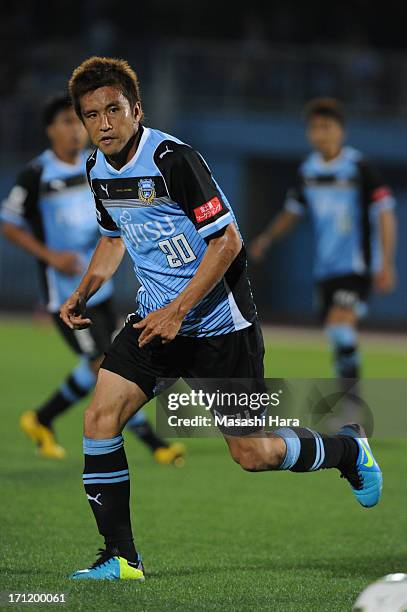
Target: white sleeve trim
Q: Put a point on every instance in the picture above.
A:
(110, 233)
(386, 203)
(10, 217)
(294, 206)
(213, 227)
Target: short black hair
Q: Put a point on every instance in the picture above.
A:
(54, 105)
(325, 107)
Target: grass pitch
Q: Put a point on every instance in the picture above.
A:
(212, 536)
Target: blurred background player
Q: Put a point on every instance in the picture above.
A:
(50, 213)
(354, 229)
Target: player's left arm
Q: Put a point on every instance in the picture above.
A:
(385, 279)
(380, 197)
(190, 183)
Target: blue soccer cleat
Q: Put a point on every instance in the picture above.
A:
(366, 478)
(111, 567)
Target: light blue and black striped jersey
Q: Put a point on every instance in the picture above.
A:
(165, 205)
(53, 200)
(344, 197)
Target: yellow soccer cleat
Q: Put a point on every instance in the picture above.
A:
(171, 455)
(42, 436)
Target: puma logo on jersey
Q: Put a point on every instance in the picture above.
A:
(105, 188)
(167, 150)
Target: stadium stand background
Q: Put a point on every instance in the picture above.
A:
(233, 86)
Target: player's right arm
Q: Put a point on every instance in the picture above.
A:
(284, 222)
(20, 208)
(104, 263)
(63, 261)
(279, 226)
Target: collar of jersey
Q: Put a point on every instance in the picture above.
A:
(65, 165)
(332, 162)
(132, 161)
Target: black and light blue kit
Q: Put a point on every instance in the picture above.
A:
(165, 205)
(344, 198)
(53, 200)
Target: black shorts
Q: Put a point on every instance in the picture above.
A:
(236, 355)
(350, 291)
(94, 341)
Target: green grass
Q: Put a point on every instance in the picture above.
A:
(212, 536)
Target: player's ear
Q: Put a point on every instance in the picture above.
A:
(137, 113)
(49, 131)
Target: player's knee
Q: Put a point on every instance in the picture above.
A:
(100, 421)
(341, 316)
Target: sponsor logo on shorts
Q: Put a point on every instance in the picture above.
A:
(345, 298)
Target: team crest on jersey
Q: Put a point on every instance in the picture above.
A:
(146, 190)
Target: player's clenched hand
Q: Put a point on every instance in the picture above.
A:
(257, 248)
(73, 312)
(163, 323)
(65, 262)
(385, 280)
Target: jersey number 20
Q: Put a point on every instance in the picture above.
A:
(178, 251)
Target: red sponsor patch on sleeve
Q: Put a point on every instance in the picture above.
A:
(208, 210)
(380, 193)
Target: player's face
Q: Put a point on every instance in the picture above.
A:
(67, 133)
(326, 135)
(109, 118)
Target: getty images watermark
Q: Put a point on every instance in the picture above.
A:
(205, 408)
(208, 407)
(251, 409)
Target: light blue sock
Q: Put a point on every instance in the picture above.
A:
(343, 340)
(137, 419)
(293, 445)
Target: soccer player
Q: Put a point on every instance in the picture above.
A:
(354, 227)
(50, 214)
(156, 198)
